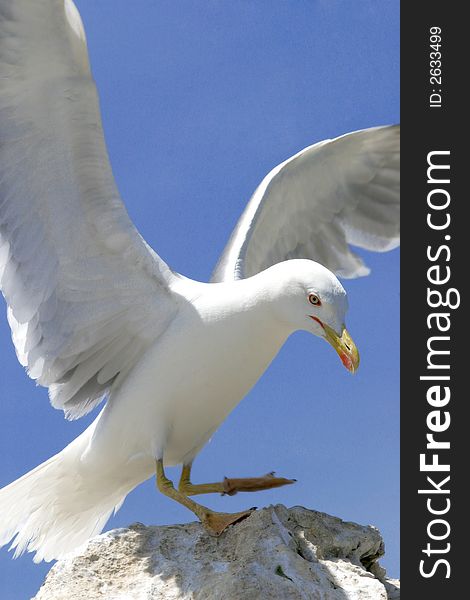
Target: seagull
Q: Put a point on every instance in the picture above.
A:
(98, 317)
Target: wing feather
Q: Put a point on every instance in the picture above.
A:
(86, 295)
(316, 204)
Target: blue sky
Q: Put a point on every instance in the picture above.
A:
(200, 99)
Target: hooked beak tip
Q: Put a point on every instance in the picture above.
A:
(345, 347)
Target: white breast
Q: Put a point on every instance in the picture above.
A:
(185, 386)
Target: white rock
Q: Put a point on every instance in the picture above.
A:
(276, 554)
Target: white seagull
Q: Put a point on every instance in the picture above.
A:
(97, 315)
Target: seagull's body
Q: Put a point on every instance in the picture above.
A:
(206, 348)
(96, 314)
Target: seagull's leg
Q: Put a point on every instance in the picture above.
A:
(230, 486)
(215, 522)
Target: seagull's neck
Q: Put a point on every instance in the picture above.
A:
(249, 302)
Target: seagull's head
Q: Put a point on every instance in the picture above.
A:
(309, 297)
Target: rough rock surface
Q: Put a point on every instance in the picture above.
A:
(277, 553)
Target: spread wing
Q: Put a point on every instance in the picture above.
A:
(86, 295)
(335, 193)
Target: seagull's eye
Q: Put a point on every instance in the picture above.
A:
(314, 299)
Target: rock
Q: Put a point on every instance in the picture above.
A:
(277, 553)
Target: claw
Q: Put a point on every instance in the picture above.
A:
(254, 484)
(217, 523)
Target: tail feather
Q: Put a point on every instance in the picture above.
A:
(55, 508)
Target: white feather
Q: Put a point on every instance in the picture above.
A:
(76, 274)
(313, 205)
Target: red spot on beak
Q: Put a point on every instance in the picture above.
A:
(346, 360)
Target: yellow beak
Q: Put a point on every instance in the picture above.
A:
(344, 346)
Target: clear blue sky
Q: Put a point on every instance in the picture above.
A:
(200, 99)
